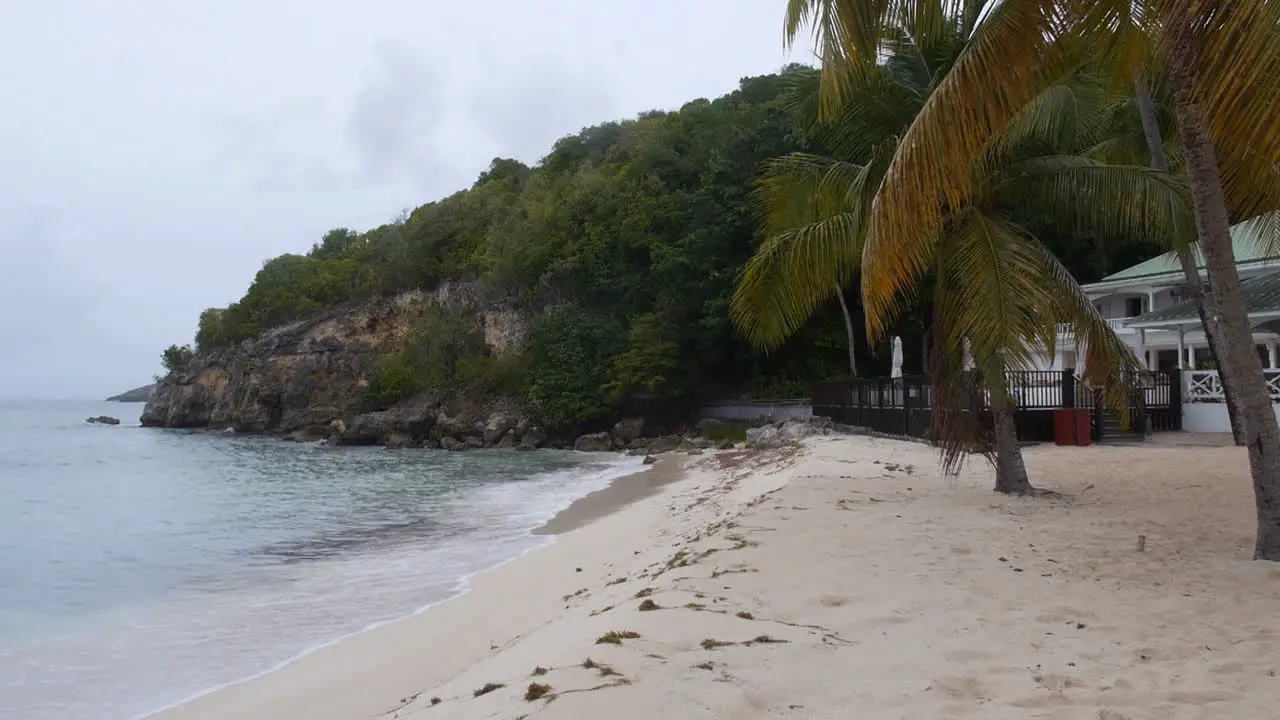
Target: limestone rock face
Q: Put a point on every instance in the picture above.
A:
(307, 379)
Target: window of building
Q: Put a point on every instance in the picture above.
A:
(1133, 307)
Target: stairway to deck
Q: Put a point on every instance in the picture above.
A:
(1112, 431)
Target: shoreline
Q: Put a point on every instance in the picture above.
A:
(762, 582)
(616, 496)
(622, 491)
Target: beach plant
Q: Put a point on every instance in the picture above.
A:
(994, 292)
(615, 637)
(649, 605)
(487, 688)
(536, 691)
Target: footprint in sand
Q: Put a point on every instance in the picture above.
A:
(963, 656)
(963, 686)
(1202, 698)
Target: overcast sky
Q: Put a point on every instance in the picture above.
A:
(153, 153)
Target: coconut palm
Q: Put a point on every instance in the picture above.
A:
(1222, 61)
(993, 283)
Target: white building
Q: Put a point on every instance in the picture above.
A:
(1146, 305)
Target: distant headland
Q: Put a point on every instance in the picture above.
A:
(136, 395)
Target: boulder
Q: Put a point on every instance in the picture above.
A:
(664, 444)
(765, 436)
(650, 460)
(452, 444)
(336, 430)
(459, 423)
(103, 420)
(785, 433)
(628, 429)
(706, 426)
(508, 440)
(369, 429)
(594, 442)
(473, 442)
(533, 436)
(399, 439)
(497, 427)
(306, 435)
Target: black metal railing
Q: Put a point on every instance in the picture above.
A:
(904, 406)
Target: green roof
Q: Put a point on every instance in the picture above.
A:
(1246, 244)
(1261, 295)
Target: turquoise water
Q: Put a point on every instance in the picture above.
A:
(140, 567)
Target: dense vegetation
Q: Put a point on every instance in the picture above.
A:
(629, 238)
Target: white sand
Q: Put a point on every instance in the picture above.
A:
(898, 594)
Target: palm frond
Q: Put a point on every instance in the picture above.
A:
(1262, 232)
(851, 37)
(801, 188)
(1113, 202)
(987, 306)
(814, 209)
(1109, 362)
(1235, 48)
(1010, 59)
(1071, 113)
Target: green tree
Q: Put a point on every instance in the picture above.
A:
(996, 288)
(569, 352)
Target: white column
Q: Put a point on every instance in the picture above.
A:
(1151, 300)
(1271, 354)
(1182, 348)
(1140, 347)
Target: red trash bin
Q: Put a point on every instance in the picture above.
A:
(1064, 429)
(1083, 426)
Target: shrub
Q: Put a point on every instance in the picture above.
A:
(177, 358)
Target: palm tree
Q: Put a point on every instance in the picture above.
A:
(1222, 60)
(994, 284)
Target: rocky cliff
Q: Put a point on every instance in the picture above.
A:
(308, 379)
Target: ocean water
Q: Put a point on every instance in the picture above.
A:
(142, 567)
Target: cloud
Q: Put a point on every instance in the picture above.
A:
(525, 107)
(396, 114)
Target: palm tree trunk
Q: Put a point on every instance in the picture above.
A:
(1011, 471)
(848, 329)
(1239, 357)
(1204, 303)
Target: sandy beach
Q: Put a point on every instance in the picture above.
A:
(845, 578)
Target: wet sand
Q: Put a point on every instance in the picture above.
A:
(620, 493)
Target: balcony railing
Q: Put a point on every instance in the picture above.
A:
(1117, 324)
(1205, 386)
